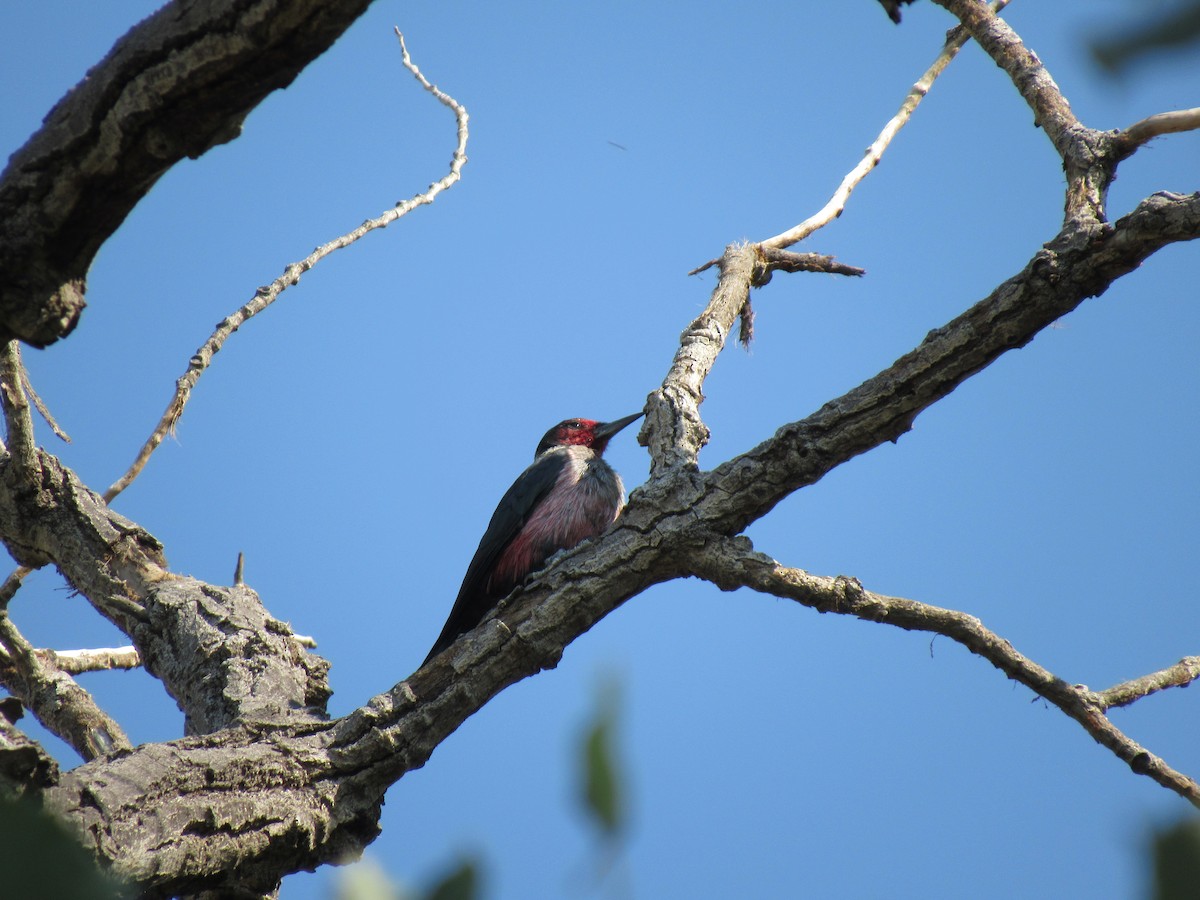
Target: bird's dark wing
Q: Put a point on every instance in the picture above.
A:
(518, 503)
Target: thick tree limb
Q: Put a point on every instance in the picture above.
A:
(216, 650)
(176, 85)
(733, 563)
(1076, 265)
(266, 800)
(266, 786)
(21, 444)
(24, 766)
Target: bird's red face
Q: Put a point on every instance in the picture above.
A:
(583, 433)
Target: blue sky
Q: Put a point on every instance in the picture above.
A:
(353, 440)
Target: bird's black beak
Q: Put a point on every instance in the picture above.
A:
(607, 429)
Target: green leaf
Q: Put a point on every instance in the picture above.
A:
(603, 796)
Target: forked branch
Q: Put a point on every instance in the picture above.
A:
(731, 563)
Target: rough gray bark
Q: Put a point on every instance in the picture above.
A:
(265, 784)
(176, 85)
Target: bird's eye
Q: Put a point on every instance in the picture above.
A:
(575, 424)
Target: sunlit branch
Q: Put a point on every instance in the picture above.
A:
(955, 39)
(1147, 129)
(100, 659)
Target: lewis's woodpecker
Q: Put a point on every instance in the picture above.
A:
(568, 494)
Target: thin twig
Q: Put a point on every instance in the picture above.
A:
(1173, 122)
(267, 295)
(1181, 674)
(955, 39)
(11, 585)
(731, 563)
(41, 407)
(21, 445)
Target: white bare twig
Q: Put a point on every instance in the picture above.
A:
(955, 39)
(99, 659)
(1172, 122)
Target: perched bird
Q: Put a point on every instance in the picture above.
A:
(566, 495)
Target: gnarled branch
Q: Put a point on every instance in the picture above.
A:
(176, 85)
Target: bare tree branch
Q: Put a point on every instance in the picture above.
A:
(1089, 156)
(266, 785)
(1173, 122)
(216, 650)
(317, 786)
(1181, 674)
(673, 426)
(59, 703)
(1051, 111)
(1066, 271)
(22, 446)
(11, 585)
(265, 296)
(955, 39)
(41, 407)
(195, 626)
(100, 659)
(733, 563)
(176, 85)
